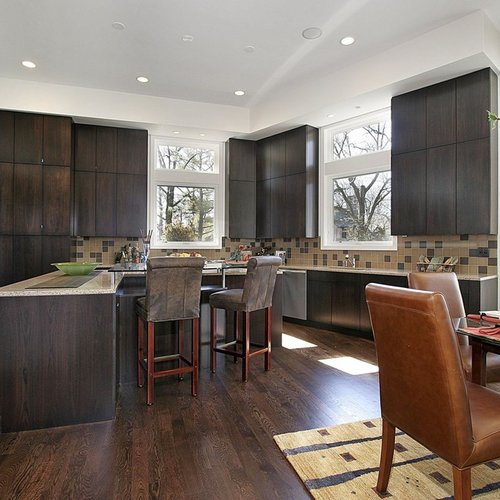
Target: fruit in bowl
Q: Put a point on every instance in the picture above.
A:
(76, 268)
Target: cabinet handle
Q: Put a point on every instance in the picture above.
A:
(41, 226)
(42, 160)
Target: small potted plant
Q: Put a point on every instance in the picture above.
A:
(492, 118)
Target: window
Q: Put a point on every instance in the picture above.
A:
(186, 193)
(356, 188)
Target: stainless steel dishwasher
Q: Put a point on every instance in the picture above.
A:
(295, 293)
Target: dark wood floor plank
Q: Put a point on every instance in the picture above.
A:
(216, 446)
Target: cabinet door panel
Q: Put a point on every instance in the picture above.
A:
(241, 209)
(131, 204)
(345, 300)
(240, 156)
(441, 114)
(408, 196)
(28, 138)
(6, 136)
(28, 199)
(263, 199)
(295, 208)
(132, 151)
(28, 257)
(408, 122)
(441, 190)
(55, 249)
(56, 200)
(85, 147)
(278, 201)
(57, 140)
(278, 155)
(106, 149)
(474, 176)
(296, 151)
(473, 99)
(84, 204)
(6, 262)
(105, 211)
(263, 159)
(319, 302)
(6, 198)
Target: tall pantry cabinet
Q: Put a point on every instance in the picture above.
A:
(35, 194)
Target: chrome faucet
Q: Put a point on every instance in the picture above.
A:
(348, 261)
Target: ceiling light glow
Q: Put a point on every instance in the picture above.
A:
(330, 115)
(347, 40)
(142, 79)
(176, 132)
(239, 92)
(29, 64)
(249, 49)
(311, 33)
(118, 26)
(203, 135)
(187, 38)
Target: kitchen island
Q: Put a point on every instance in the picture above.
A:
(58, 352)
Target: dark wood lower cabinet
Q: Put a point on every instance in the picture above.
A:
(57, 360)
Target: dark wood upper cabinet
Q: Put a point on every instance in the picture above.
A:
(301, 149)
(28, 138)
(277, 155)
(95, 148)
(84, 212)
(105, 204)
(242, 203)
(6, 136)
(409, 122)
(28, 199)
(6, 198)
(441, 114)
(105, 149)
(441, 190)
(476, 93)
(408, 200)
(476, 184)
(7, 261)
(57, 140)
(132, 151)
(131, 207)
(278, 206)
(295, 209)
(263, 210)
(56, 200)
(263, 162)
(241, 159)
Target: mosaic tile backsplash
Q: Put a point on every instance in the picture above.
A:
(307, 252)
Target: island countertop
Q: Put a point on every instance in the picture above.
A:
(99, 282)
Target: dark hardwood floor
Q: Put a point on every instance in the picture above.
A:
(216, 446)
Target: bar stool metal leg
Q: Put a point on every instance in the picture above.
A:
(268, 325)
(180, 344)
(195, 341)
(237, 329)
(246, 345)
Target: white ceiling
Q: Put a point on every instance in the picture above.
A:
(73, 43)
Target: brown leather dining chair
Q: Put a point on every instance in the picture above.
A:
(256, 294)
(423, 390)
(173, 287)
(447, 284)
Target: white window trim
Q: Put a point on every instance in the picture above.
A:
(215, 180)
(357, 165)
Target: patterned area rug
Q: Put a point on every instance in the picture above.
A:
(342, 462)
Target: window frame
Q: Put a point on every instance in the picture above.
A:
(330, 169)
(187, 178)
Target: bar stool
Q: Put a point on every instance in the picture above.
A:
(172, 294)
(256, 294)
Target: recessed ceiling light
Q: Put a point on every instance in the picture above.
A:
(330, 115)
(142, 79)
(203, 135)
(176, 132)
(249, 48)
(347, 40)
(118, 26)
(239, 92)
(187, 38)
(29, 64)
(312, 33)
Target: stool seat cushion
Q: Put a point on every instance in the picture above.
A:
(231, 300)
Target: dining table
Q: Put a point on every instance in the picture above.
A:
(482, 340)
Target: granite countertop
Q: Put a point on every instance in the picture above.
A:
(386, 272)
(101, 282)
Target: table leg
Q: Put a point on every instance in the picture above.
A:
(478, 374)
